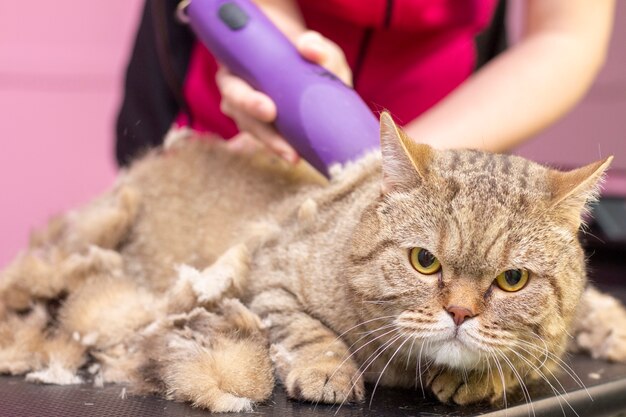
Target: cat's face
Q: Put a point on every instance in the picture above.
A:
(473, 256)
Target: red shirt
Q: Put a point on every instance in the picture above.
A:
(406, 55)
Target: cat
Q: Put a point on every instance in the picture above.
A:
(204, 273)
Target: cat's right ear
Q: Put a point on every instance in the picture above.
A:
(572, 190)
(405, 162)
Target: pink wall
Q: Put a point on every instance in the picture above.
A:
(61, 66)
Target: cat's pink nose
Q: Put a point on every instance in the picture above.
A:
(460, 314)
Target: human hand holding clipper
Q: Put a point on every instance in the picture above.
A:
(254, 112)
(321, 117)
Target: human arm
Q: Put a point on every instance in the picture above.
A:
(527, 87)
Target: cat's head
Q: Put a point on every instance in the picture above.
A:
(472, 253)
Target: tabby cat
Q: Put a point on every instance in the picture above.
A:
(205, 272)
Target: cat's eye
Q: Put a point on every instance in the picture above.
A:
(424, 262)
(512, 280)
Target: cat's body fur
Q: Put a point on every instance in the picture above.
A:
(326, 269)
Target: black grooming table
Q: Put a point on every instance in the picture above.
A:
(605, 382)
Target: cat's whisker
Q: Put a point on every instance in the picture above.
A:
(465, 376)
(377, 353)
(501, 373)
(363, 323)
(545, 351)
(366, 334)
(563, 391)
(490, 374)
(369, 332)
(408, 356)
(534, 367)
(485, 340)
(558, 394)
(388, 326)
(525, 391)
(484, 369)
(421, 333)
(479, 360)
(418, 367)
(357, 350)
(352, 353)
(368, 362)
(558, 361)
(428, 365)
(406, 339)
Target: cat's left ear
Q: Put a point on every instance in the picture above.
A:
(572, 190)
(405, 162)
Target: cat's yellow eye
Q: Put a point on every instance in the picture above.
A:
(512, 280)
(424, 262)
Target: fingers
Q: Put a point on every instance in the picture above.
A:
(316, 48)
(253, 112)
(237, 94)
(268, 136)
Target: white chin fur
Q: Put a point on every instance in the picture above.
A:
(455, 354)
(456, 351)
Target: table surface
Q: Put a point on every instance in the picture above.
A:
(605, 395)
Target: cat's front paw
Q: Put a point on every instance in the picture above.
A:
(326, 382)
(457, 387)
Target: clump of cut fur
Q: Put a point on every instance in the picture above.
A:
(216, 360)
(206, 269)
(210, 350)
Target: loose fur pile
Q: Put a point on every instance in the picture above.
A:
(204, 272)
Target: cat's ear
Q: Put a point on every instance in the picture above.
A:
(571, 190)
(404, 161)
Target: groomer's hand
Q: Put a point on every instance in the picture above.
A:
(254, 112)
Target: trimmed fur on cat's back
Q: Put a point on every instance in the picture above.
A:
(142, 286)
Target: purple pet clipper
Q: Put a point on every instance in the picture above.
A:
(322, 118)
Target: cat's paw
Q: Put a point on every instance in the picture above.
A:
(601, 328)
(457, 387)
(325, 382)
